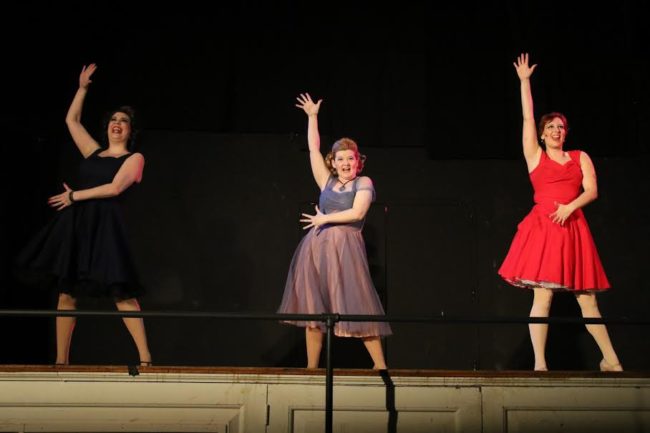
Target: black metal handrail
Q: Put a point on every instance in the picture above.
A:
(434, 319)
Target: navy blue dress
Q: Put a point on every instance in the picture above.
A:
(84, 249)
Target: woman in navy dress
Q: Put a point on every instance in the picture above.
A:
(84, 250)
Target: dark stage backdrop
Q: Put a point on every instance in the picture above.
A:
(436, 76)
(429, 92)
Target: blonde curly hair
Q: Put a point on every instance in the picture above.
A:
(344, 144)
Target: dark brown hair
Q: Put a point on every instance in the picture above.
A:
(129, 111)
(547, 118)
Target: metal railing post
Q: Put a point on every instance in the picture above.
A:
(329, 373)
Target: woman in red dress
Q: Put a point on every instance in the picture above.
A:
(553, 249)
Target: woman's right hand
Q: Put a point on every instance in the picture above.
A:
(310, 108)
(84, 77)
(316, 220)
(521, 66)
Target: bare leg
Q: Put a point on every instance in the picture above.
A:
(64, 328)
(589, 307)
(135, 325)
(314, 340)
(539, 331)
(373, 345)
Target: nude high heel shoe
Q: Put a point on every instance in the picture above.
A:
(606, 366)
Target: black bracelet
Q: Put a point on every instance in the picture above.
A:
(70, 196)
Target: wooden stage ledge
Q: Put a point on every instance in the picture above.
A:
(89, 398)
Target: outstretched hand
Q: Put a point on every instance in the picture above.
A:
(61, 201)
(521, 66)
(305, 102)
(313, 220)
(86, 73)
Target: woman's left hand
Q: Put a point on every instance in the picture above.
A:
(561, 214)
(313, 220)
(61, 201)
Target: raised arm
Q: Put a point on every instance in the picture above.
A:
(85, 143)
(532, 149)
(318, 167)
(129, 173)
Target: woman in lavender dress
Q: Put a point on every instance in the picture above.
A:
(329, 270)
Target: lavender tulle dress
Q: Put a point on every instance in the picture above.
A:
(329, 271)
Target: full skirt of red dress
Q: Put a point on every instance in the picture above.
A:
(550, 255)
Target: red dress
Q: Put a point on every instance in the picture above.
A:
(546, 254)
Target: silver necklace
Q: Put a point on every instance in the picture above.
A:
(342, 187)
